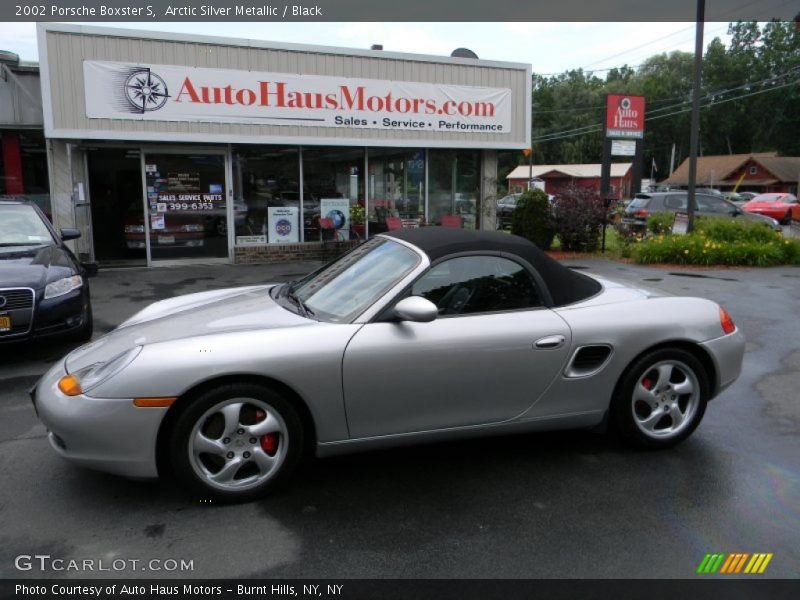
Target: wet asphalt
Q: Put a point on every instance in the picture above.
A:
(573, 504)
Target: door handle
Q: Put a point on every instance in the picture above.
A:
(551, 342)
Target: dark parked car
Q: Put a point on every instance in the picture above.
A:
(43, 287)
(634, 219)
(505, 208)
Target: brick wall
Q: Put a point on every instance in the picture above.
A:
(279, 253)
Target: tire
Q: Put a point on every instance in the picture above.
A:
(652, 386)
(234, 468)
(787, 218)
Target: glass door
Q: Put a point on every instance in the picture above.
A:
(186, 206)
(115, 193)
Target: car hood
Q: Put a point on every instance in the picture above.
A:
(33, 267)
(192, 315)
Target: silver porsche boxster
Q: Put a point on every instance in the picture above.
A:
(415, 336)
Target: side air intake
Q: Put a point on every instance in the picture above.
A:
(587, 360)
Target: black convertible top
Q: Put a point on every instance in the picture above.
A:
(565, 285)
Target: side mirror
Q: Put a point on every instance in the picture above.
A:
(417, 309)
(70, 234)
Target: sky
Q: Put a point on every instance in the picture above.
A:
(548, 47)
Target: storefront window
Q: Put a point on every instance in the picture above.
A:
(396, 187)
(266, 193)
(23, 168)
(333, 185)
(186, 205)
(454, 180)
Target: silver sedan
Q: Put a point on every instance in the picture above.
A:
(414, 336)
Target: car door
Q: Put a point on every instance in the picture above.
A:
(487, 357)
(711, 206)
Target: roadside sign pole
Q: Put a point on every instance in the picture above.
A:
(695, 131)
(605, 180)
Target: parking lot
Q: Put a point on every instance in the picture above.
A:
(572, 504)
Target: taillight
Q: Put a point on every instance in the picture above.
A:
(642, 212)
(726, 321)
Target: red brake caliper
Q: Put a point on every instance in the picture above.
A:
(269, 441)
(647, 383)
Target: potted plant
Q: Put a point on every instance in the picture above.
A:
(357, 221)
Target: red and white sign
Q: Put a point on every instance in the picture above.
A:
(624, 116)
(150, 92)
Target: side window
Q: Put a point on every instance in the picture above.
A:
(675, 202)
(711, 204)
(478, 284)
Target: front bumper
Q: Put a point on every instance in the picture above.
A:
(106, 434)
(727, 353)
(62, 315)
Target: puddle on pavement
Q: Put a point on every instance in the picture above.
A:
(701, 276)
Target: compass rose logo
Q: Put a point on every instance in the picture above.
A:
(145, 91)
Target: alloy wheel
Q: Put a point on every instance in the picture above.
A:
(238, 444)
(665, 399)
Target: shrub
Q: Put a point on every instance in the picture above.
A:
(578, 215)
(735, 230)
(533, 220)
(720, 242)
(660, 223)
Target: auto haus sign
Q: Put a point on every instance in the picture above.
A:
(117, 90)
(624, 116)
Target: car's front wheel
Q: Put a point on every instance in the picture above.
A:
(661, 398)
(236, 442)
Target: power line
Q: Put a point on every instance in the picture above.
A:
(596, 128)
(662, 100)
(584, 128)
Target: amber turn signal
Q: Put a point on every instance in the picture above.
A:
(153, 402)
(70, 385)
(726, 321)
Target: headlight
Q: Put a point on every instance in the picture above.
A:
(62, 286)
(83, 380)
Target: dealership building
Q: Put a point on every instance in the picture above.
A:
(167, 147)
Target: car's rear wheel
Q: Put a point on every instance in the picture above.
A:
(787, 218)
(661, 398)
(236, 442)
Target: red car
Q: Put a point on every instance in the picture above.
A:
(780, 206)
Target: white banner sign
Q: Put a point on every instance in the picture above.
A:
(623, 147)
(150, 92)
(282, 224)
(338, 211)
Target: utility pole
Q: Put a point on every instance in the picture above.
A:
(695, 131)
(530, 156)
(672, 160)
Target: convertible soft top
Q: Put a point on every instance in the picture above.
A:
(565, 285)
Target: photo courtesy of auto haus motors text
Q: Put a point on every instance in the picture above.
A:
(142, 591)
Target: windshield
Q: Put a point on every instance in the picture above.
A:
(21, 225)
(343, 289)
